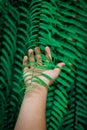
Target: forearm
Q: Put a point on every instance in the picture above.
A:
(33, 109)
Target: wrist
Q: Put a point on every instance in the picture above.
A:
(36, 89)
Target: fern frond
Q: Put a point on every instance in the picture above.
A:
(63, 27)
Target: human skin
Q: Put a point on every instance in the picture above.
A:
(33, 108)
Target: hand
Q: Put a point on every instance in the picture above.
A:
(32, 71)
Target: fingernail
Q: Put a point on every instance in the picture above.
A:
(48, 49)
(63, 64)
(30, 50)
(36, 48)
(25, 57)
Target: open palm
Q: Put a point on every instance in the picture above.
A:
(32, 71)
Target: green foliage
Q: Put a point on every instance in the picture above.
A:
(13, 31)
(63, 27)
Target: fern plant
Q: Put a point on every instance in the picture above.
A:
(61, 25)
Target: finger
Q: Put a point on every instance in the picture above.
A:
(60, 65)
(48, 54)
(25, 61)
(31, 58)
(27, 76)
(38, 55)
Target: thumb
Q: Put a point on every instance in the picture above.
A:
(61, 64)
(58, 69)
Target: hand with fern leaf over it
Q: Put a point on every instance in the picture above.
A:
(37, 74)
(37, 77)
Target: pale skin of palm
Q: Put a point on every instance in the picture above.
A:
(33, 108)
